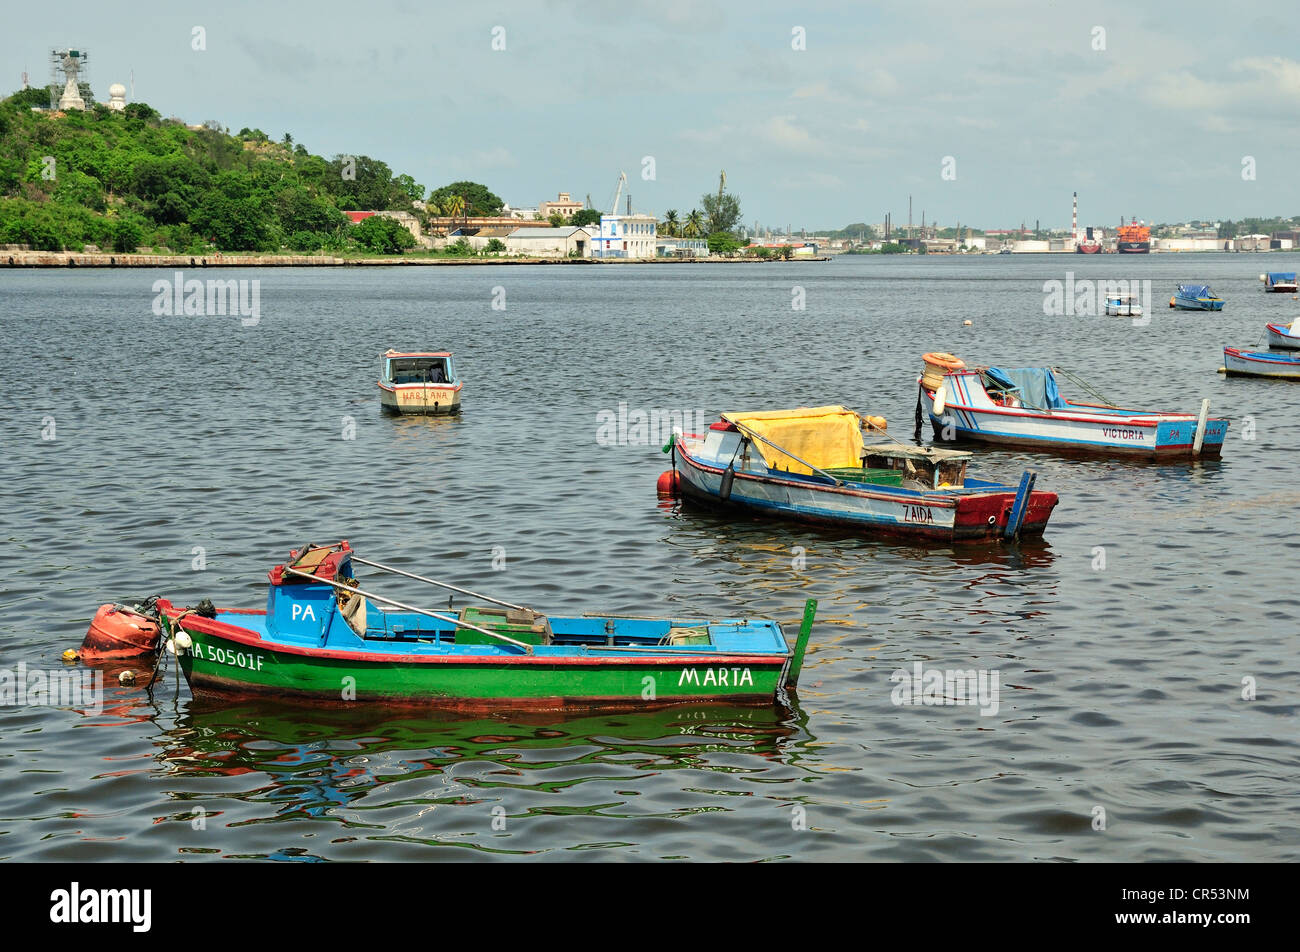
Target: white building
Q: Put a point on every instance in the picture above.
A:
(668, 247)
(550, 242)
(625, 236)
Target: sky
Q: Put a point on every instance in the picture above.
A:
(988, 114)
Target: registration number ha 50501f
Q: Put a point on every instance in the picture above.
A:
(248, 660)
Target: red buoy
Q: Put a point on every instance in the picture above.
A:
(669, 483)
(118, 632)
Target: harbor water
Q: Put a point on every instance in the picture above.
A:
(1144, 653)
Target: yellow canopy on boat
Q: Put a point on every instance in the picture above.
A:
(827, 437)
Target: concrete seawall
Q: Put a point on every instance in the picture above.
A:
(74, 259)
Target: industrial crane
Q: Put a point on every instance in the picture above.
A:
(622, 180)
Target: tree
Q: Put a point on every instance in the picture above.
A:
(382, 235)
(670, 226)
(723, 243)
(453, 206)
(127, 236)
(495, 246)
(694, 226)
(586, 216)
(721, 211)
(556, 219)
(785, 251)
(37, 96)
(479, 202)
(409, 187)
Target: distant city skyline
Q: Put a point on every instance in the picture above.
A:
(989, 115)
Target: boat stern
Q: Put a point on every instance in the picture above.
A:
(986, 515)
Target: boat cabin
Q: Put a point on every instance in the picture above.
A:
(415, 368)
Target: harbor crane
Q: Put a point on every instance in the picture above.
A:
(622, 180)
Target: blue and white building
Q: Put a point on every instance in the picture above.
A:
(625, 236)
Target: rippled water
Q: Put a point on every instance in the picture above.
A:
(1121, 685)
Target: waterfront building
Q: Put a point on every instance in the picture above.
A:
(668, 247)
(550, 242)
(625, 236)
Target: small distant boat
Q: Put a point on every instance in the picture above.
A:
(419, 382)
(1279, 282)
(1196, 297)
(1253, 363)
(322, 637)
(1284, 336)
(1123, 304)
(812, 465)
(1024, 407)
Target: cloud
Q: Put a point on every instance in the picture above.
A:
(781, 132)
(498, 157)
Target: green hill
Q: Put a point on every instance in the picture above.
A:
(122, 180)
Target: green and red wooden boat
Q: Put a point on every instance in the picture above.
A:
(325, 638)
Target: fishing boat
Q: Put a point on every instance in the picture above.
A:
(812, 465)
(1196, 297)
(324, 637)
(1284, 336)
(1123, 304)
(419, 382)
(1279, 282)
(1253, 363)
(1024, 407)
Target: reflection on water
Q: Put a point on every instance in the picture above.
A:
(365, 776)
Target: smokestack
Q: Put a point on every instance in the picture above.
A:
(1074, 219)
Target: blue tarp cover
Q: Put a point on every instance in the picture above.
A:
(1276, 277)
(1037, 386)
(1194, 291)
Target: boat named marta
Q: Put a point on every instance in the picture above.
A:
(323, 637)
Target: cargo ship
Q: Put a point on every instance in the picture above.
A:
(1133, 239)
(1090, 244)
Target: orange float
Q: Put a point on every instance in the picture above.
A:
(118, 632)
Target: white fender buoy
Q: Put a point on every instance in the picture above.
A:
(940, 399)
(184, 641)
(1262, 278)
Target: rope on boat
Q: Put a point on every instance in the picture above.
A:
(1079, 381)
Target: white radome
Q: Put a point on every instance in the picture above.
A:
(117, 97)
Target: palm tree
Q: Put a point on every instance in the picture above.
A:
(670, 225)
(694, 224)
(453, 206)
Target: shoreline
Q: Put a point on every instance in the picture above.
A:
(78, 259)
